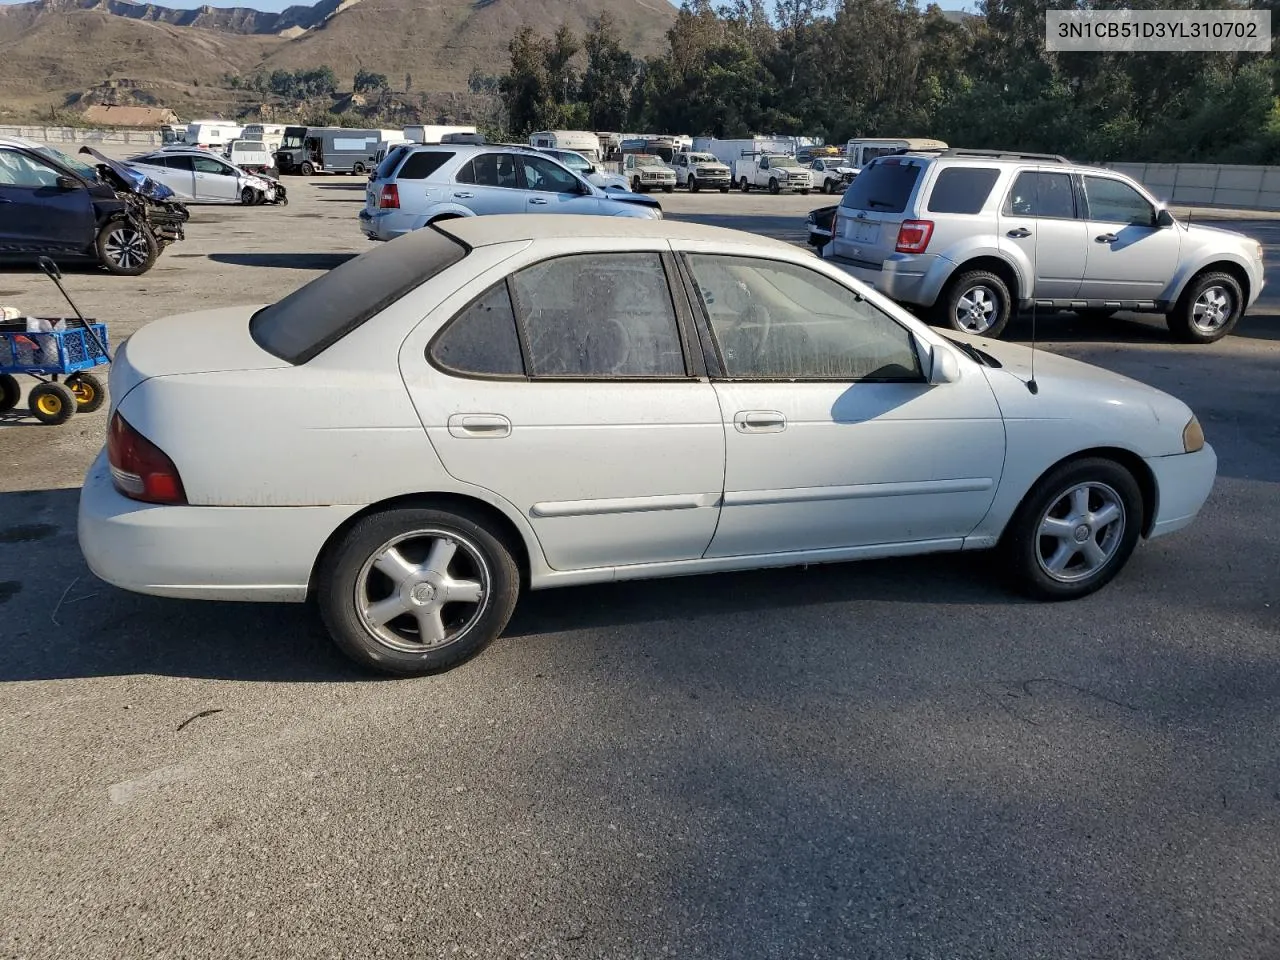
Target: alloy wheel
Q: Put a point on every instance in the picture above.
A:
(127, 248)
(976, 309)
(422, 590)
(1212, 309)
(1080, 532)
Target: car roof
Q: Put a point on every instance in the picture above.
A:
(18, 142)
(486, 231)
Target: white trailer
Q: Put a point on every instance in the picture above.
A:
(579, 141)
(729, 152)
(212, 134)
(269, 133)
(428, 133)
(862, 150)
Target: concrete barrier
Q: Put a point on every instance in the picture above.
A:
(141, 138)
(1224, 185)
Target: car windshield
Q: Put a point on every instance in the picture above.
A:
(291, 142)
(783, 162)
(702, 158)
(574, 161)
(246, 146)
(648, 160)
(313, 318)
(85, 170)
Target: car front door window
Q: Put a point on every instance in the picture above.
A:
(780, 321)
(1113, 201)
(546, 176)
(20, 170)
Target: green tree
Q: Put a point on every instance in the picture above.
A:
(368, 81)
(610, 73)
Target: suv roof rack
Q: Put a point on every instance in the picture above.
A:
(1004, 155)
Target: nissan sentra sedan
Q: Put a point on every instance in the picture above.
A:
(497, 404)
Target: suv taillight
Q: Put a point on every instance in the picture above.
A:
(389, 199)
(913, 236)
(140, 469)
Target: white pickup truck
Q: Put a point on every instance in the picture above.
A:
(698, 170)
(774, 171)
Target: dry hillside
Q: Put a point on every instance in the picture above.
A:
(51, 50)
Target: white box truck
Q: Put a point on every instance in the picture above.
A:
(427, 133)
(579, 141)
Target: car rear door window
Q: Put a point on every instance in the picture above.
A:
(885, 186)
(1114, 201)
(422, 164)
(1039, 194)
(780, 321)
(490, 170)
(962, 189)
(481, 341)
(599, 316)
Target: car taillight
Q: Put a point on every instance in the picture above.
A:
(140, 469)
(389, 199)
(913, 236)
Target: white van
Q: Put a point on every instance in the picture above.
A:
(250, 155)
(211, 134)
(269, 133)
(579, 141)
(862, 150)
(432, 133)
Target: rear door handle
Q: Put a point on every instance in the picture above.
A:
(759, 421)
(538, 200)
(1019, 233)
(464, 196)
(1106, 238)
(482, 426)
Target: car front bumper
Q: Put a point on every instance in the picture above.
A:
(201, 553)
(1183, 483)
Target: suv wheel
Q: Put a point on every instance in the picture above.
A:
(977, 302)
(1208, 309)
(126, 249)
(413, 591)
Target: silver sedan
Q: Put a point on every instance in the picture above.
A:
(198, 176)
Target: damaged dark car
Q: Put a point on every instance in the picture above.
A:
(67, 208)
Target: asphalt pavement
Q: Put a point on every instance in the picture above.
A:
(877, 760)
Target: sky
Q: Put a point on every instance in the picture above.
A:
(277, 5)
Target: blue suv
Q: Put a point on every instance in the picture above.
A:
(418, 185)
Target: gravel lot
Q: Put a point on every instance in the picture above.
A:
(883, 760)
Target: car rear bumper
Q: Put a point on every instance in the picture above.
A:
(1183, 483)
(202, 553)
(907, 278)
(382, 226)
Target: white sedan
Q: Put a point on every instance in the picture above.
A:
(549, 401)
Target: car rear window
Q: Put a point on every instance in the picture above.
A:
(388, 165)
(962, 189)
(422, 164)
(885, 186)
(313, 318)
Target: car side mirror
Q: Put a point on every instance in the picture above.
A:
(1164, 218)
(943, 365)
(67, 183)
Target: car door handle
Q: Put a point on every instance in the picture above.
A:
(1106, 238)
(1019, 233)
(759, 421)
(537, 200)
(483, 426)
(464, 196)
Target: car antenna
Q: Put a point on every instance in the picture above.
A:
(1035, 258)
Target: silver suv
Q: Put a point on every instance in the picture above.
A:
(972, 235)
(419, 185)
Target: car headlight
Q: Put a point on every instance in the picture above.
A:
(1192, 436)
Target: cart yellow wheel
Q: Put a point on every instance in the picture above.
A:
(88, 391)
(51, 403)
(10, 392)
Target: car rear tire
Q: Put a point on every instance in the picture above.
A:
(693, 185)
(89, 391)
(249, 196)
(416, 590)
(51, 403)
(1208, 309)
(1074, 531)
(126, 249)
(10, 392)
(358, 170)
(773, 185)
(976, 302)
(307, 169)
(744, 185)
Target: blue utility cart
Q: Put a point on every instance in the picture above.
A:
(69, 354)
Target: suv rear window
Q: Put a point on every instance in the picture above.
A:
(313, 318)
(884, 186)
(962, 189)
(422, 164)
(388, 165)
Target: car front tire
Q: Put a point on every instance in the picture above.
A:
(693, 185)
(1075, 530)
(249, 196)
(773, 185)
(1208, 309)
(126, 249)
(417, 590)
(976, 302)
